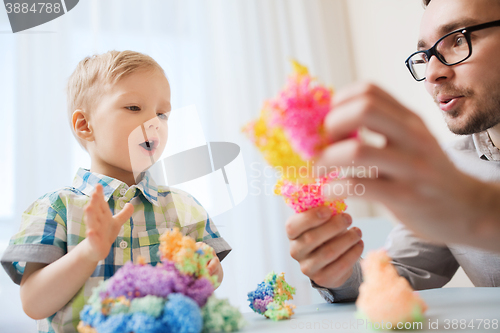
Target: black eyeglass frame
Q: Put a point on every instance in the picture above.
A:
(433, 50)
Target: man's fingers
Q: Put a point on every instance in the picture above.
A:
(375, 114)
(357, 89)
(336, 273)
(301, 222)
(371, 92)
(366, 105)
(360, 160)
(330, 251)
(382, 190)
(306, 243)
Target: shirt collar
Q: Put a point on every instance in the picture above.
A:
(149, 188)
(86, 181)
(485, 147)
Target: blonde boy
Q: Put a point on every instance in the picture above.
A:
(75, 237)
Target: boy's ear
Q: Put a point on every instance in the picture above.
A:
(81, 125)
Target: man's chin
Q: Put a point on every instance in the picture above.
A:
(459, 131)
(467, 126)
(458, 126)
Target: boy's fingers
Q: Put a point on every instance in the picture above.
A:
(90, 218)
(124, 215)
(101, 201)
(91, 233)
(298, 223)
(99, 189)
(102, 206)
(95, 204)
(205, 244)
(97, 193)
(212, 265)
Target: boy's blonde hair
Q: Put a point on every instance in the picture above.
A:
(87, 83)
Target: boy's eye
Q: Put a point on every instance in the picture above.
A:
(163, 116)
(133, 108)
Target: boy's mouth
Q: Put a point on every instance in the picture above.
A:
(149, 145)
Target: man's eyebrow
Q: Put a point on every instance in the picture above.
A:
(449, 27)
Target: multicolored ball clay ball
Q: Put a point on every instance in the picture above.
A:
(174, 296)
(289, 133)
(386, 298)
(270, 296)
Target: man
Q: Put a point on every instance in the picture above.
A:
(447, 196)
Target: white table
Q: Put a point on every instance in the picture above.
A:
(445, 305)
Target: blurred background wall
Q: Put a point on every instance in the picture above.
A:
(226, 57)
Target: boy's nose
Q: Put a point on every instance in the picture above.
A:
(152, 123)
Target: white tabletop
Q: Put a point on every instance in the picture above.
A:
(449, 310)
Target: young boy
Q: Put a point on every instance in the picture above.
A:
(75, 237)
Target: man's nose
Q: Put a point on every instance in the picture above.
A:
(436, 71)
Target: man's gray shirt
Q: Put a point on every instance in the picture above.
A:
(426, 265)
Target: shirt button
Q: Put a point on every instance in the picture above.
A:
(123, 245)
(123, 191)
(122, 204)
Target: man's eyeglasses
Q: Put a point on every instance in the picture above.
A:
(451, 49)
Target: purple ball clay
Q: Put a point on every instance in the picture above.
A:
(134, 281)
(260, 305)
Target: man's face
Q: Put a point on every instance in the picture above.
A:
(468, 93)
(130, 123)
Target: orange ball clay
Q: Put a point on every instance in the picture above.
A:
(386, 297)
(174, 246)
(189, 256)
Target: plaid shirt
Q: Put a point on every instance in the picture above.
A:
(53, 225)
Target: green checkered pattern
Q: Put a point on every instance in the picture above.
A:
(53, 225)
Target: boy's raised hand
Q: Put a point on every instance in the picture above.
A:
(102, 226)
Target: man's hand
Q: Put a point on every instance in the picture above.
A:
(415, 179)
(102, 226)
(324, 246)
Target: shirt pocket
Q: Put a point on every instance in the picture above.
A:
(149, 244)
